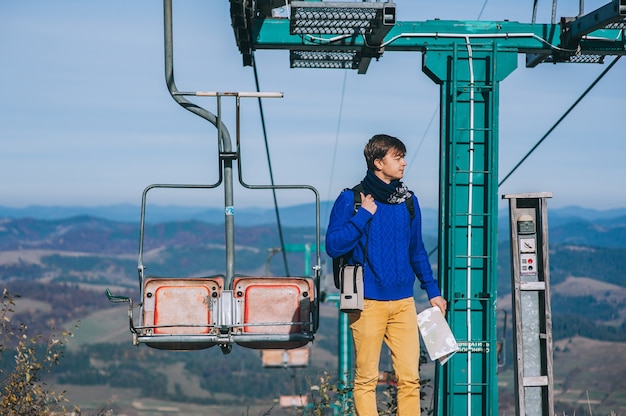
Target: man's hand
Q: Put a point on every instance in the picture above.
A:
(439, 302)
(368, 203)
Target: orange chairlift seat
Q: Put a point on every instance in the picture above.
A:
(197, 313)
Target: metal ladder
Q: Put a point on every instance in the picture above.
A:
(468, 223)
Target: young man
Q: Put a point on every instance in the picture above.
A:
(383, 237)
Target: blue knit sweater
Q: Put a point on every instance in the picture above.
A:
(395, 250)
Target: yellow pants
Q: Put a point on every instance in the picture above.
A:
(394, 322)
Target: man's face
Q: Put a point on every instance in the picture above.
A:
(391, 167)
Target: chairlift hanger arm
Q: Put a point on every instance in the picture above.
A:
(223, 134)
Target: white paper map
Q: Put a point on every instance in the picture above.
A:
(436, 334)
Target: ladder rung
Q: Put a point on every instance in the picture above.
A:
(536, 381)
(470, 257)
(474, 129)
(462, 387)
(483, 172)
(532, 286)
(460, 297)
(473, 214)
(477, 88)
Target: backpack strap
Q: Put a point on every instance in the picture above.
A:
(410, 205)
(339, 262)
(356, 190)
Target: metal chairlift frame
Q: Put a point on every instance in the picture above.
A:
(226, 303)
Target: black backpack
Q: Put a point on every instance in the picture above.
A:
(338, 262)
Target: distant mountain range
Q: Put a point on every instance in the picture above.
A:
(291, 216)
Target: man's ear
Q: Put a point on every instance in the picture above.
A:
(378, 164)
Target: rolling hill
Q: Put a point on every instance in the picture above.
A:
(60, 267)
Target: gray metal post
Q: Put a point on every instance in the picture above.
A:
(229, 204)
(345, 346)
(530, 291)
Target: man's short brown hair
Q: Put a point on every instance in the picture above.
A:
(379, 145)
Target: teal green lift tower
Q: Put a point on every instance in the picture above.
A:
(468, 59)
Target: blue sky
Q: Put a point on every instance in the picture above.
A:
(86, 119)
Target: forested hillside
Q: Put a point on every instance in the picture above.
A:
(60, 269)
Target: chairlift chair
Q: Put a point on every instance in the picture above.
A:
(192, 313)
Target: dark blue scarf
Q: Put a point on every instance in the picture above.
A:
(394, 192)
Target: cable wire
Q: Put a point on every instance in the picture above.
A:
(482, 9)
(426, 130)
(334, 158)
(593, 84)
(269, 165)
